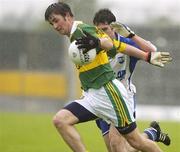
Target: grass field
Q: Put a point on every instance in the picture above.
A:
(22, 132)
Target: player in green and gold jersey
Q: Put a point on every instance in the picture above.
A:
(104, 96)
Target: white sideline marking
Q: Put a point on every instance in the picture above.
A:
(158, 112)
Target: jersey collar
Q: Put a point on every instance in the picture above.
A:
(74, 27)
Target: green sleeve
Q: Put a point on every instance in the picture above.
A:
(89, 29)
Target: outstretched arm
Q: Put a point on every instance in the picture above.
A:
(125, 31)
(145, 45)
(155, 58)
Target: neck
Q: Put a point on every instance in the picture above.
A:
(70, 27)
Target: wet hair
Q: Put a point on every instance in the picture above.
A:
(58, 8)
(104, 16)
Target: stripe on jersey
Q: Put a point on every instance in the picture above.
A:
(101, 59)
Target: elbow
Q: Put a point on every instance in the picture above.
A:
(110, 46)
(106, 44)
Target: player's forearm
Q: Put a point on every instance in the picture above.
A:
(146, 46)
(135, 52)
(106, 43)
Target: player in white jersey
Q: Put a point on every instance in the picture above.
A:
(123, 67)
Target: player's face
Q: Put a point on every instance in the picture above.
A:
(60, 23)
(107, 29)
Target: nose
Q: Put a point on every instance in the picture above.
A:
(55, 26)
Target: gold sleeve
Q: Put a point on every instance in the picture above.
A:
(120, 46)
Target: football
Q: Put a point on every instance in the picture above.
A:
(78, 57)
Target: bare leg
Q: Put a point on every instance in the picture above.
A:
(130, 148)
(137, 141)
(107, 142)
(64, 121)
(117, 141)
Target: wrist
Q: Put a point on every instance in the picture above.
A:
(98, 42)
(131, 35)
(148, 57)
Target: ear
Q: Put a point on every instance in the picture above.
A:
(67, 14)
(67, 17)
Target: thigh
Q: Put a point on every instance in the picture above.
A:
(134, 137)
(114, 135)
(79, 112)
(65, 116)
(117, 141)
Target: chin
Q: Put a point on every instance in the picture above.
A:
(62, 33)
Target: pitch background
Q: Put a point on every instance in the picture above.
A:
(25, 132)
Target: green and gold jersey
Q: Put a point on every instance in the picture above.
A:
(99, 72)
(119, 47)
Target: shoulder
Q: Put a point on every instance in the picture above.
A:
(86, 27)
(93, 30)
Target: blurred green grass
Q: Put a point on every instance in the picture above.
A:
(23, 132)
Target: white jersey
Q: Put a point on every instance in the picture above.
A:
(123, 67)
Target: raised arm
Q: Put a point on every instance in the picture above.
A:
(155, 58)
(125, 31)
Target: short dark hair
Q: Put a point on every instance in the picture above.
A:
(58, 8)
(104, 16)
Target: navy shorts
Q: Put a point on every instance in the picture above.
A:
(103, 126)
(80, 112)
